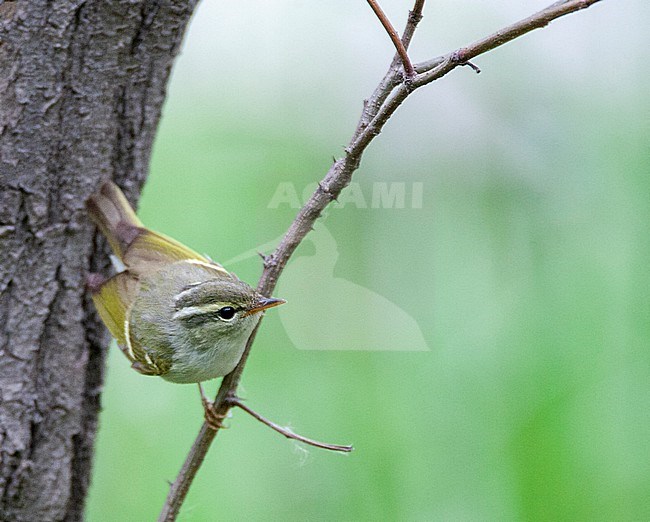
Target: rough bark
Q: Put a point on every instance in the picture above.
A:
(81, 88)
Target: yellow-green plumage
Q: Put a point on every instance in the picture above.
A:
(167, 308)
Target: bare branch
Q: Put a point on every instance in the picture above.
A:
(287, 432)
(536, 21)
(397, 42)
(377, 111)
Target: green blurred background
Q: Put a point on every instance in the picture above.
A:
(525, 271)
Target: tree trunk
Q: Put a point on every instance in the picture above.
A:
(81, 88)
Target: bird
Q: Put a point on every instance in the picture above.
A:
(174, 313)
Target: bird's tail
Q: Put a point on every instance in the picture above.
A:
(112, 213)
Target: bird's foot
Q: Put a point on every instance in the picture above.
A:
(213, 419)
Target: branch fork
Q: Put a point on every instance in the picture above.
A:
(409, 71)
(214, 420)
(236, 401)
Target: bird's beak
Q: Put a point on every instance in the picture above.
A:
(263, 303)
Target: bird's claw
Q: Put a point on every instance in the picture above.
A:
(213, 419)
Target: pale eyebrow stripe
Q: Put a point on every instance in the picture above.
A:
(190, 311)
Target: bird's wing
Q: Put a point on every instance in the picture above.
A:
(146, 362)
(150, 251)
(112, 298)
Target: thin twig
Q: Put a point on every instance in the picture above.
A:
(287, 432)
(397, 41)
(536, 21)
(393, 76)
(336, 179)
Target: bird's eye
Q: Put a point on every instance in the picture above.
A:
(226, 313)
